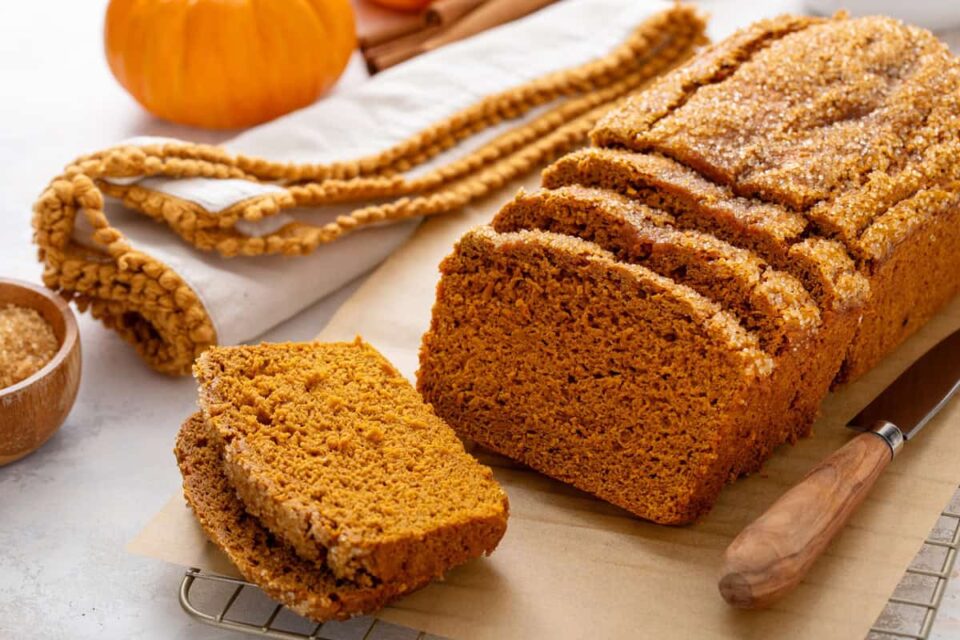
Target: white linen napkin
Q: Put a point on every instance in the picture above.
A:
(245, 296)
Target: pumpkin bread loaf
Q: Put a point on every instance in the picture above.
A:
(800, 178)
(335, 454)
(299, 584)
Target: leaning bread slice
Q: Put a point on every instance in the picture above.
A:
(338, 456)
(299, 584)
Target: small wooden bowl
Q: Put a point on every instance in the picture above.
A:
(33, 409)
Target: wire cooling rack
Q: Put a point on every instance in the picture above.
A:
(911, 610)
(237, 605)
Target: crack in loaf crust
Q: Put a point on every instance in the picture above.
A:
(547, 349)
(301, 585)
(337, 455)
(852, 124)
(811, 151)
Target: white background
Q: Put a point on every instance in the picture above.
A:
(67, 511)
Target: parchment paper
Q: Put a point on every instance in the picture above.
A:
(571, 566)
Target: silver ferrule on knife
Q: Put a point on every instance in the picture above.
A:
(890, 433)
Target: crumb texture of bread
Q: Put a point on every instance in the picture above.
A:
(799, 178)
(336, 454)
(299, 584)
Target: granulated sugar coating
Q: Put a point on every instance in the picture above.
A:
(337, 455)
(27, 344)
(800, 176)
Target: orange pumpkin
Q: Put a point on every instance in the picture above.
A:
(217, 64)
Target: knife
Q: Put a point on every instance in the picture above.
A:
(772, 555)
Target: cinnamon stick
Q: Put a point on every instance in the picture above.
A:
(491, 13)
(391, 58)
(387, 54)
(441, 12)
(396, 28)
(453, 26)
(447, 12)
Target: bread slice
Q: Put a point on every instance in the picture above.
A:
(301, 585)
(597, 372)
(338, 456)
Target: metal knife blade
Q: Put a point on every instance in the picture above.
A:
(918, 393)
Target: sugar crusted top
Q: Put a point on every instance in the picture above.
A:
(852, 122)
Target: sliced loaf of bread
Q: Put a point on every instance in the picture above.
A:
(814, 199)
(859, 146)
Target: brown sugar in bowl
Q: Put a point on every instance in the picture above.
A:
(32, 409)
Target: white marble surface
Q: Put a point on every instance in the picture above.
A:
(67, 511)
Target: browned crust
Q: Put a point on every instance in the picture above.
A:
(711, 66)
(921, 276)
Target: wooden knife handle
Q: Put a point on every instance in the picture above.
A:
(773, 554)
